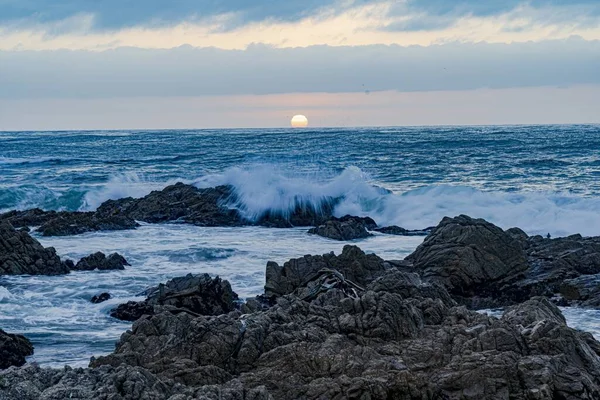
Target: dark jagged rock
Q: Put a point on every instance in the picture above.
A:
(13, 350)
(99, 261)
(400, 338)
(101, 298)
(218, 206)
(179, 202)
(75, 223)
(583, 291)
(302, 215)
(353, 263)
(345, 228)
(470, 257)
(398, 231)
(132, 310)
(20, 254)
(199, 295)
(66, 223)
(485, 267)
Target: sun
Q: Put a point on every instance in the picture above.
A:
(299, 121)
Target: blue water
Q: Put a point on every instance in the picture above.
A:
(544, 179)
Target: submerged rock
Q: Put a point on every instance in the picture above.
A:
(345, 228)
(101, 298)
(197, 295)
(13, 350)
(99, 261)
(21, 254)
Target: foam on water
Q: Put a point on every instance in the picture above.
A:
(544, 179)
(261, 189)
(56, 313)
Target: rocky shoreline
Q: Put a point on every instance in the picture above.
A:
(351, 325)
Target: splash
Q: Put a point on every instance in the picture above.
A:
(121, 186)
(272, 189)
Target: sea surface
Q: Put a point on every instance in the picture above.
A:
(544, 179)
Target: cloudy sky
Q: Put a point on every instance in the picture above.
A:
(113, 64)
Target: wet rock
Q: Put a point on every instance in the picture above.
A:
(401, 338)
(200, 294)
(345, 228)
(75, 223)
(353, 263)
(132, 310)
(583, 291)
(302, 215)
(13, 350)
(398, 231)
(197, 295)
(66, 223)
(470, 257)
(101, 298)
(20, 254)
(122, 383)
(179, 202)
(99, 261)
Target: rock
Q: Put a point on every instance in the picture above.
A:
(353, 263)
(13, 350)
(302, 215)
(198, 295)
(345, 228)
(470, 257)
(401, 338)
(101, 298)
(179, 202)
(99, 261)
(123, 383)
(583, 291)
(218, 206)
(132, 310)
(565, 266)
(20, 254)
(65, 223)
(75, 223)
(398, 231)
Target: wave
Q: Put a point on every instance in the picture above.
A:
(121, 186)
(267, 189)
(270, 189)
(30, 160)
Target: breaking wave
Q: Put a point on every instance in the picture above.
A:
(263, 189)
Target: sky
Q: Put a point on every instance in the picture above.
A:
(87, 64)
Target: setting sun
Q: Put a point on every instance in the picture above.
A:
(299, 121)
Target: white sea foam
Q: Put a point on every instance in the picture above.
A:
(264, 188)
(120, 186)
(267, 188)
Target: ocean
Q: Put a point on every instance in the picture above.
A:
(543, 179)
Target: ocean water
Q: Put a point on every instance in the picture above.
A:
(544, 179)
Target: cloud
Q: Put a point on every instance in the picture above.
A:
(423, 15)
(112, 15)
(116, 14)
(188, 71)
